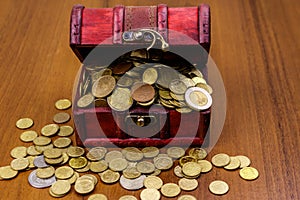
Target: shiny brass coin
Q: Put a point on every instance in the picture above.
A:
(113, 155)
(31, 150)
(175, 152)
(198, 153)
(41, 141)
(170, 190)
(98, 166)
(177, 103)
(167, 105)
(150, 76)
(186, 159)
(75, 151)
(198, 98)
(60, 187)
(163, 163)
(129, 149)
(61, 118)
(28, 136)
(206, 87)
(91, 177)
(196, 72)
(96, 154)
(156, 172)
(218, 187)
(30, 160)
(188, 184)
(55, 195)
(64, 172)
(52, 153)
(153, 182)
(191, 169)
(188, 82)
(46, 172)
(249, 173)
(220, 160)
(178, 171)
(145, 167)
(147, 103)
(134, 156)
(131, 173)
(65, 131)
(62, 142)
(73, 178)
(97, 197)
(128, 197)
(103, 86)
(177, 86)
(63, 104)
(245, 161)
(109, 176)
(85, 101)
(43, 148)
(18, 152)
(24, 123)
(85, 169)
(7, 172)
(234, 163)
(150, 193)
(150, 152)
(120, 100)
(183, 110)
(199, 80)
(118, 164)
(77, 163)
(65, 158)
(19, 164)
(177, 97)
(50, 130)
(165, 94)
(142, 92)
(54, 161)
(206, 166)
(186, 197)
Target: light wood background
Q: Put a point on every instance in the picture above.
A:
(255, 44)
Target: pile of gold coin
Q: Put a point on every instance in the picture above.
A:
(136, 79)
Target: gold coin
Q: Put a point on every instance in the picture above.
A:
(150, 76)
(183, 110)
(46, 172)
(134, 155)
(165, 94)
(54, 161)
(61, 117)
(218, 187)
(120, 100)
(41, 141)
(175, 152)
(128, 197)
(220, 160)
(98, 166)
(96, 154)
(84, 186)
(64, 172)
(113, 155)
(63, 104)
(186, 197)
(131, 173)
(97, 197)
(155, 173)
(50, 130)
(186, 159)
(233, 164)
(43, 148)
(103, 86)
(85, 169)
(177, 86)
(188, 82)
(18, 152)
(52, 153)
(28, 136)
(191, 169)
(198, 153)
(65, 131)
(178, 171)
(177, 96)
(77, 163)
(245, 161)
(150, 193)
(7, 172)
(91, 177)
(31, 150)
(109, 176)
(30, 160)
(19, 164)
(153, 182)
(163, 163)
(73, 179)
(249, 173)
(206, 166)
(188, 184)
(85, 101)
(199, 80)
(75, 151)
(65, 158)
(62, 142)
(205, 87)
(167, 105)
(145, 167)
(55, 195)
(60, 187)
(118, 164)
(170, 190)
(150, 152)
(24, 123)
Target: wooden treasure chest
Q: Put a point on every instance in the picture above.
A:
(143, 75)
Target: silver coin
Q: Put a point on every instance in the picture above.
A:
(36, 182)
(132, 184)
(201, 98)
(39, 162)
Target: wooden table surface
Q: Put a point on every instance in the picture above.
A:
(255, 44)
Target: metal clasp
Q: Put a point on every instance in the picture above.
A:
(141, 120)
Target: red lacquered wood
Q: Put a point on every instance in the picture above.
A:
(118, 25)
(162, 20)
(204, 26)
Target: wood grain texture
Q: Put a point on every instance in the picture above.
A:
(255, 45)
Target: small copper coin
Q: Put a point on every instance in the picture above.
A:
(121, 68)
(142, 92)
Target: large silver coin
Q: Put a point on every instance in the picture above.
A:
(132, 184)
(39, 162)
(36, 182)
(198, 98)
